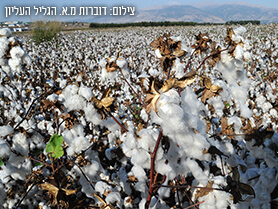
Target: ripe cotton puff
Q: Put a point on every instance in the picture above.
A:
(6, 130)
(5, 32)
(75, 139)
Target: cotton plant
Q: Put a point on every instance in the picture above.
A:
(188, 124)
(12, 56)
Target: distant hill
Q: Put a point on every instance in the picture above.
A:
(210, 13)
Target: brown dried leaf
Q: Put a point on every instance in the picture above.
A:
(111, 66)
(206, 95)
(204, 191)
(179, 53)
(215, 89)
(107, 101)
(168, 85)
(207, 82)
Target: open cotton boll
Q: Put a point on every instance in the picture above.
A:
(92, 115)
(4, 149)
(4, 43)
(178, 68)
(85, 92)
(157, 53)
(140, 157)
(17, 52)
(197, 172)
(6, 130)
(6, 32)
(75, 139)
(121, 62)
(218, 105)
(113, 197)
(20, 144)
(240, 30)
(101, 186)
(238, 53)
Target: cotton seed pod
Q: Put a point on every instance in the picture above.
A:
(207, 82)
(215, 89)
(107, 101)
(179, 53)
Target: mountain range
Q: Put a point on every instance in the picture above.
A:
(219, 13)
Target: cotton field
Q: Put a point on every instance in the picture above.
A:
(182, 117)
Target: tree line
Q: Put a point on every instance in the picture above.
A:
(167, 23)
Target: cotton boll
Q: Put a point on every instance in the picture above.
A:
(121, 62)
(144, 115)
(85, 92)
(75, 139)
(236, 121)
(217, 104)
(113, 197)
(139, 173)
(157, 53)
(17, 52)
(74, 102)
(4, 149)
(20, 144)
(178, 68)
(197, 172)
(238, 53)
(6, 32)
(92, 115)
(101, 186)
(6, 130)
(140, 157)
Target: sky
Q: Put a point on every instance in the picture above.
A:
(101, 3)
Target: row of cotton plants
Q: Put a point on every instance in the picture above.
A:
(182, 117)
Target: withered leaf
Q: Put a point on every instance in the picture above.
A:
(58, 196)
(206, 95)
(207, 82)
(107, 101)
(204, 191)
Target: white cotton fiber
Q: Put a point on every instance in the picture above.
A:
(6, 32)
(6, 130)
(140, 157)
(121, 62)
(101, 186)
(85, 92)
(113, 197)
(75, 139)
(157, 53)
(20, 144)
(197, 172)
(4, 149)
(17, 52)
(92, 115)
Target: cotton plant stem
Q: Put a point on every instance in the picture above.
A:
(139, 97)
(204, 60)
(122, 127)
(189, 61)
(30, 108)
(195, 205)
(152, 178)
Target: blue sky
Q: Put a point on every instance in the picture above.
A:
(109, 4)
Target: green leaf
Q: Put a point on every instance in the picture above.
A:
(1, 162)
(54, 146)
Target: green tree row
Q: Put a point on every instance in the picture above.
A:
(243, 22)
(166, 23)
